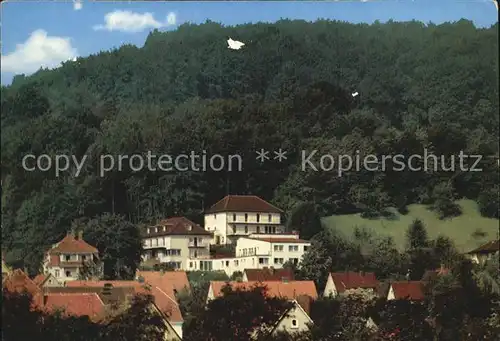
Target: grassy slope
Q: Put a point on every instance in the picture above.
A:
(459, 229)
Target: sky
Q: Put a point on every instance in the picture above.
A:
(43, 34)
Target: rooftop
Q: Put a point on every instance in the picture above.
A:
(71, 244)
(176, 226)
(288, 290)
(243, 203)
(353, 280)
(489, 247)
(412, 290)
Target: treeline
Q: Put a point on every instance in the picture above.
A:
(420, 87)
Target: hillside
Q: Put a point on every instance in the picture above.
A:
(460, 229)
(421, 87)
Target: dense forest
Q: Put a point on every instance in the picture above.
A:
(431, 87)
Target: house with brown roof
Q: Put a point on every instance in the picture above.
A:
(406, 290)
(165, 302)
(176, 281)
(66, 259)
(340, 282)
(484, 252)
(299, 293)
(176, 241)
(268, 275)
(235, 216)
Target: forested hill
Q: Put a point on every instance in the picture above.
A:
(420, 86)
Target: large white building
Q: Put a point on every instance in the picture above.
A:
(257, 251)
(176, 241)
(237, 216)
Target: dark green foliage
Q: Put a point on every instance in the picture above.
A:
(421, 87)
(237, 315)
(305, 220)
(489, 202)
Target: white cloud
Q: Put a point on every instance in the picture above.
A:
(131, 22)
(39, 50)
(77, 5)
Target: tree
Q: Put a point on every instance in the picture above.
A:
(237, 315)
(489, 204)
(305, 219)
(416, 236)
(118, 241)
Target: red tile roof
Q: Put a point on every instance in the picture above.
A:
(19, 282)
(353, 280)
(288, 290)
(177, 226)
(39, 279)
(177, 280)
(70, 244)
(412, 290)
(243, 203)
(268, 274)
(76, 304)
(164, 297)
(489, 247)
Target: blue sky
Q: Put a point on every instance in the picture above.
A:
(36, 34)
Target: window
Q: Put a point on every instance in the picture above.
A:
(234, 217)
(68, 258)
(227, 263)
(246, 217)
(263, 261)
(236, 262)
(246, 229)
(173, 252)
(84, 257)
(278, 261)
(293, 248)
(215, 216)
(278, 248)
(258, 229)
(274, 229)
(190, 264)
(269, 218)
(206, 265)
(295, 323)
(306, 248)
(57, 273)
(68, 273)
(258, 217)
(294, 261)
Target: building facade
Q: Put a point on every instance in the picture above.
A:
(66, 259)
(237, 216)
(176, 241)
(257, 251)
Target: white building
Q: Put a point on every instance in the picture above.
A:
(257, 251)
(176, 241)
(236, 216)
(65, 260)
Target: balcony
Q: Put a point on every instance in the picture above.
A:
(197, 244)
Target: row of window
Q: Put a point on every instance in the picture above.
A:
(70, 258)
(269, 217)
(168, 252)
(57, 273)
(291, 248)
(267, 229)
